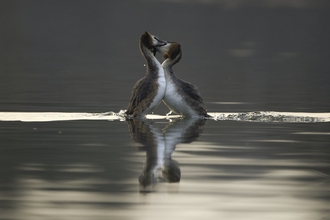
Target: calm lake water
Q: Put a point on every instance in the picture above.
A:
(262, 69)
(183, 169)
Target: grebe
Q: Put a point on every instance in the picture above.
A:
(149, 91)
(180, 97)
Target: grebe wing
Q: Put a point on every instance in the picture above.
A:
(194, 98)
(191, 91)
(140, 92)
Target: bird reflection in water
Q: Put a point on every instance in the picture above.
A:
(159, 145)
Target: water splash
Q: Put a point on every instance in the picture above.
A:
(257, 116)
(269, 116)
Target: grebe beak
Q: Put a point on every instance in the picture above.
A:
(164, 48)
(160, 42)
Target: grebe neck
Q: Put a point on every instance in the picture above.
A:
(169, 63)
(152, 63)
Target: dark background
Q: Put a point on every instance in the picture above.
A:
(84, 55)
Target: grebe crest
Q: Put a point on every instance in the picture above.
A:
(149, 91)
(151, 42)
(180, 97)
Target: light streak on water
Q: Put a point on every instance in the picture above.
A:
(257, 116)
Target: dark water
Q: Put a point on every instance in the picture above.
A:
(94, 169)
(82, 56)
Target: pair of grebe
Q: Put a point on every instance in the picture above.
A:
(160, 83)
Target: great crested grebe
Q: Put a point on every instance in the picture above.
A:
(149, 91)
(181, 97)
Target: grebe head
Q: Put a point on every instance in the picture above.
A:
(171, 50)
(152, 42)
(172, 54)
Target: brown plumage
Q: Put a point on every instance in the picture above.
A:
(180, 96)
(149, 90)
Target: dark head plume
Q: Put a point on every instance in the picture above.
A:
(174, 51)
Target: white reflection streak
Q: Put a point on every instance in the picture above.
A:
(238, 161)
(313, 133)
(53, 116)
(266, 116)
(276, 194)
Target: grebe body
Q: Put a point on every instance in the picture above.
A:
(180, 97)
(149, 91)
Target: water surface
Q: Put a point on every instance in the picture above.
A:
(142, 168)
